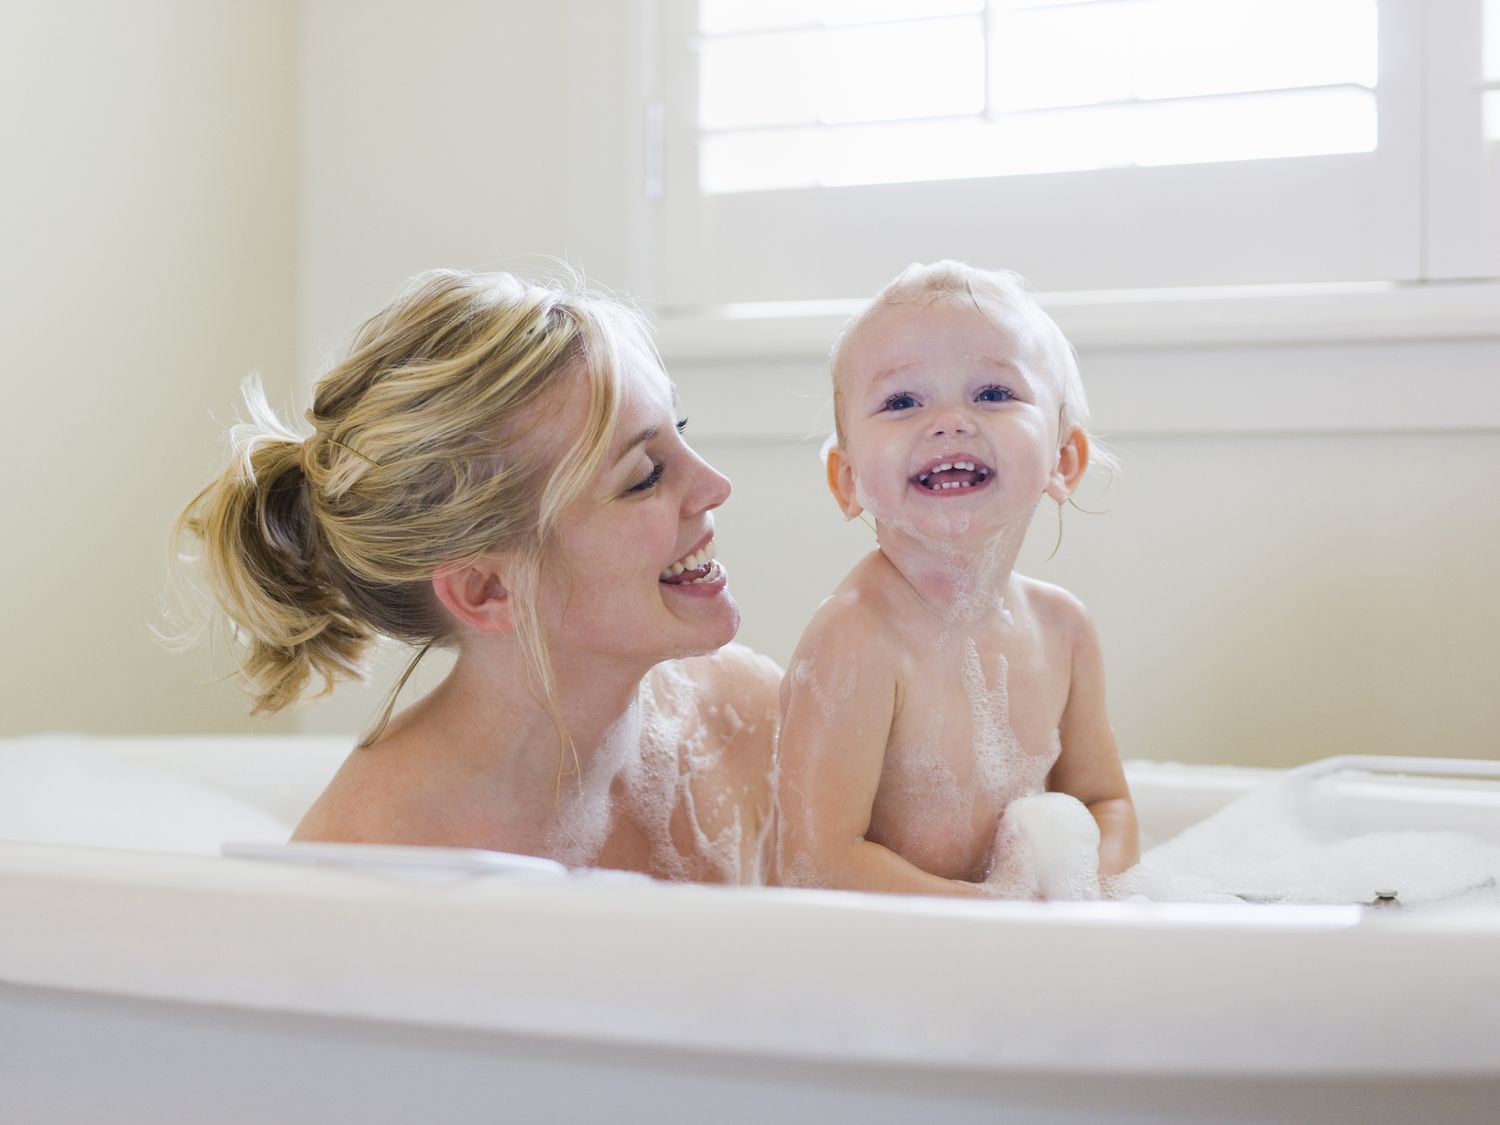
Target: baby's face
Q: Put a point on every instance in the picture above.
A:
(950, 419)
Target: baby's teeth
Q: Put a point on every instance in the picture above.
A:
(943, 468)
(969, 465)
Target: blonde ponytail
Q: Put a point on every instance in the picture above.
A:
(259, 558)
(420, 457)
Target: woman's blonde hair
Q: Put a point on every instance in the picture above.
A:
(313, 545)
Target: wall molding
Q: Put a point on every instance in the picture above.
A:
(1282, 360)
(1137, 319)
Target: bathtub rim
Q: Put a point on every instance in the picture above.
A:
(732, 969)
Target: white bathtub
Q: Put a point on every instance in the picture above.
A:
(141, 986)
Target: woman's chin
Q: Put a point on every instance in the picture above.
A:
(713, 624)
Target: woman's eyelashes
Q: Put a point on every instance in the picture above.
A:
(646, 485)
(657, 467)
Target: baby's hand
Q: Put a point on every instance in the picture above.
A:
(1046, 846)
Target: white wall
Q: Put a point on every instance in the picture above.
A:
(147, 216)
(1299, 561)
(471, 134)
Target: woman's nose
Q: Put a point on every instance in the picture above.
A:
(711, 488)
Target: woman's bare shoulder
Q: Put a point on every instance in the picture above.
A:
(377, 798)
(735, 696)
(734, 676)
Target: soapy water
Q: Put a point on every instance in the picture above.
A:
(1047, 846)
(1262, 849)
(997, 750)
(648, 763)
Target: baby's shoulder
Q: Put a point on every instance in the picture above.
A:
(1056, 610)
(853, 619)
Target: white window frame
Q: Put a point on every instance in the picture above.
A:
(1422, 207)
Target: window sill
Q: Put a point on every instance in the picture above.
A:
(1132, 320)
(1246, 361)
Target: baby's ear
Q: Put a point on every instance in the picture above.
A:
(841, 480)
(1072, 463)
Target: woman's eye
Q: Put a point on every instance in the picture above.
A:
(902, 401)
(994, 394)
(657, 468)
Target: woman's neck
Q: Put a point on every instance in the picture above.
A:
(490, 714)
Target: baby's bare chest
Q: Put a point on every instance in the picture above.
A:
(972, 732)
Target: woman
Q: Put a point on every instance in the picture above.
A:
(498, 467)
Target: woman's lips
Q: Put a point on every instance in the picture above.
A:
(710, 576)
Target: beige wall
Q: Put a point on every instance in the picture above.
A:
(1298, 559)
(1261, 599)
(147, 219)
(453, 152)
(216, 187)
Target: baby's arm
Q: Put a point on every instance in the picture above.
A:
(838, 701)
(1089, 767)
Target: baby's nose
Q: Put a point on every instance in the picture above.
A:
(949, 422)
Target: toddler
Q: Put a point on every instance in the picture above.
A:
(944, 728)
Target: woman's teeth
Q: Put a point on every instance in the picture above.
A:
(703, 558)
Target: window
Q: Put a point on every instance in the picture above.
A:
(834, 93)
(812, 148)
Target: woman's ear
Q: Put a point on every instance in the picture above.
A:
(1072, 463)
(841, 481)
(476, 594)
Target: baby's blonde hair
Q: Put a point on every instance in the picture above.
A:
(314, 545)
(950, 280)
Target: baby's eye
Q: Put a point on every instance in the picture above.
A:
(994, 393)
(900, 401)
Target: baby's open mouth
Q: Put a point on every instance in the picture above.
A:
(952, 475)
(694, 569)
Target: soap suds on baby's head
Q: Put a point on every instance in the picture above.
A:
(1047, 846)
